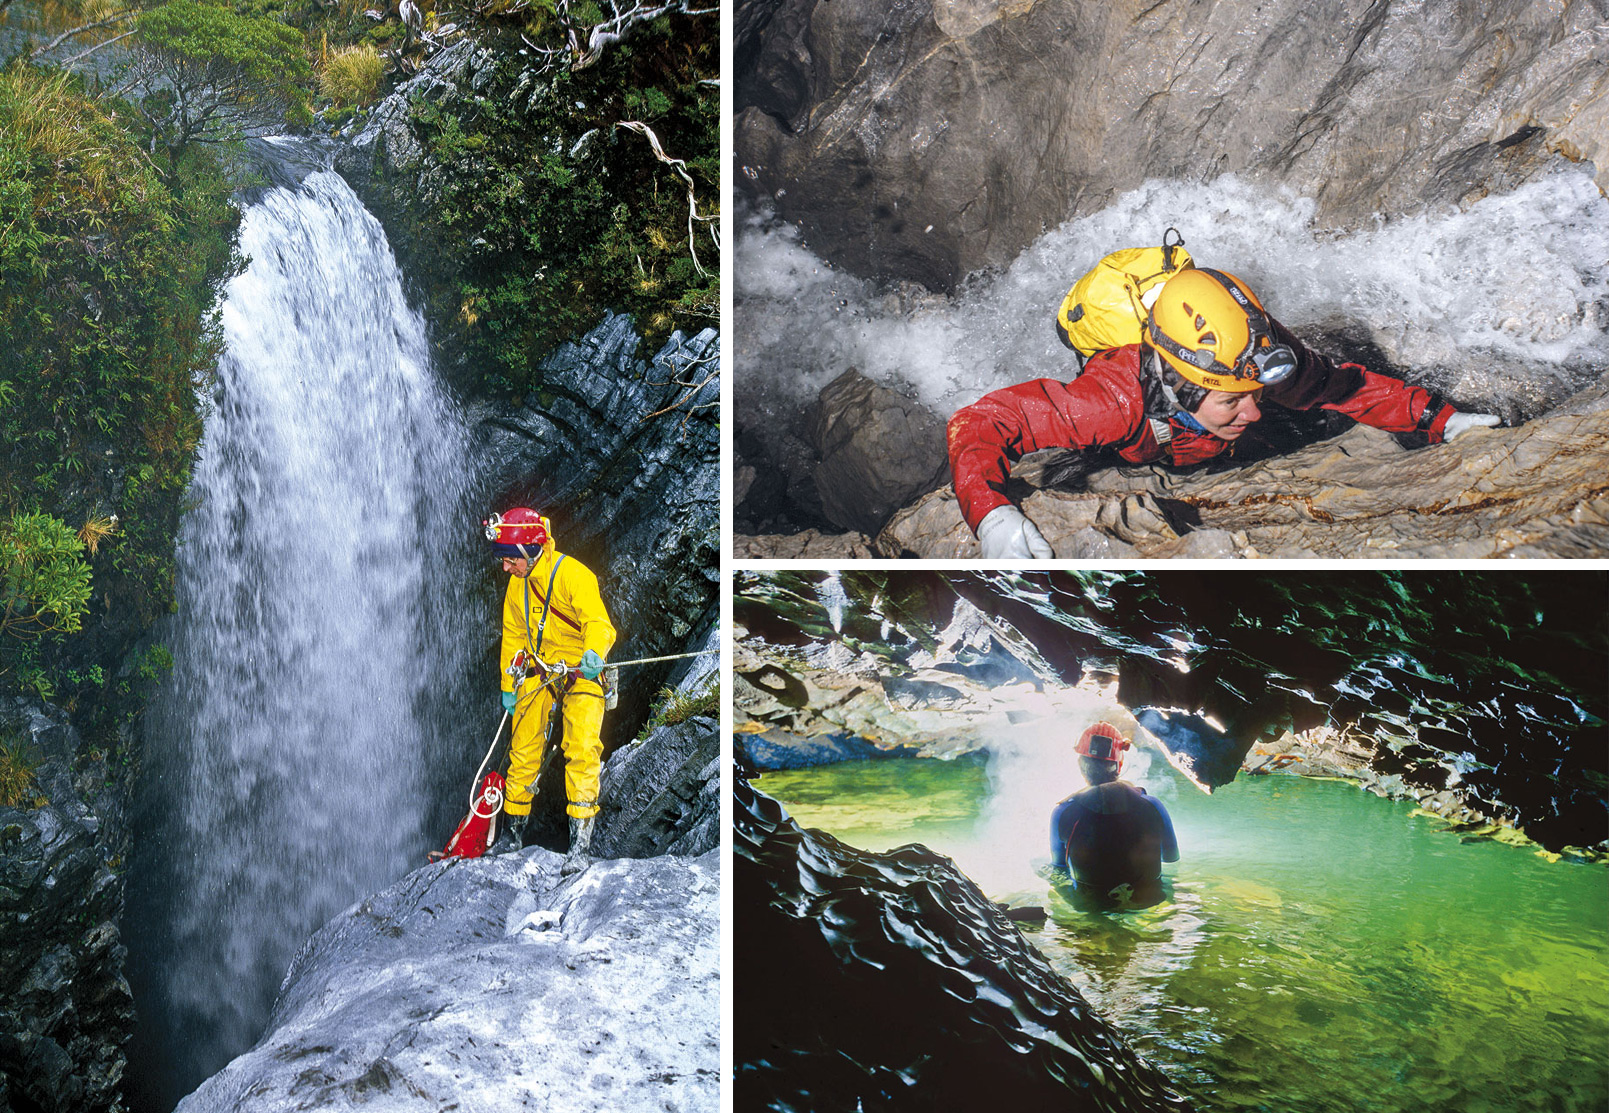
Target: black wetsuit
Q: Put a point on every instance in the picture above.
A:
(1113, 838)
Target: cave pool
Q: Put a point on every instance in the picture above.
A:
(1323, 948)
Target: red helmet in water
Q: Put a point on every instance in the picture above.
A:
(520, 533)
(1104, 742)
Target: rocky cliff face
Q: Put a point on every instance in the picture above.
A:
(625, 454)
(1444, 686)
(926, 139)
(889, 981)
(661, 792)
(497, 984)
(65, 1008)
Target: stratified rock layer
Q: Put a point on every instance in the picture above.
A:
(926, 139)
(625, 456)
(876, 982)
(1533, 491)
(497, 984)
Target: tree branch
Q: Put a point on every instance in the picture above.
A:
(70, 32)
(692, 201)
(82, 54)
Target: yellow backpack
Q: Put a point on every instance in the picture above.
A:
(1107, 307)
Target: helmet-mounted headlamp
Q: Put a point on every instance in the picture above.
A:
(1102, 741)
(1262, 360)
(517, 533)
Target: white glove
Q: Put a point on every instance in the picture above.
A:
(1463, 423)
(1006, 533)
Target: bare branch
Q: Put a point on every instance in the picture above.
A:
(692, 200)
(587, 43)
(70, 32)
(82, 54)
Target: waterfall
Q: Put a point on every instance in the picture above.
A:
(295, 753)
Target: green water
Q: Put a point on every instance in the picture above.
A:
(1323, 949)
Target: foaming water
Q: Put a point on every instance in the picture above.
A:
(1321, 949)
(1503, 306)
(290, 753)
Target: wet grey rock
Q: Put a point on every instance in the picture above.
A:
(498, 984)
(927, 139)
(809, 544)
(876, 450)
(1530, 491)
(905, 988)
(625, 453)
(662, 793)
(65, 1008)
(942, 693)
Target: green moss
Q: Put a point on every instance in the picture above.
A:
(544, 213)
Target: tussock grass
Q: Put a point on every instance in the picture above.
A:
(671, 707)
(17, 764)
(353, 76)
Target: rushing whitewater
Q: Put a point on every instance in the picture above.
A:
(1503, 306)
(293, 748)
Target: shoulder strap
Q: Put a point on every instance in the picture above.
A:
(547, 603)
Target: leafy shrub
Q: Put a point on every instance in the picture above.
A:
(109, 272)
(44, 582)
(353, 75)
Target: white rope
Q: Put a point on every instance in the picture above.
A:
(555, 672)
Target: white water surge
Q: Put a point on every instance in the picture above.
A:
(1504, 305)
(318, 623)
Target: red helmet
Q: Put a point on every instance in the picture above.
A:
(520, 533)
(1103, 741)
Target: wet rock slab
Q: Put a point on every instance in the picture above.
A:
(497, 984)
(889, 981)
(65, 1008)
(1533, 491)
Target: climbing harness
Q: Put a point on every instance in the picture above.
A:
(478, 830)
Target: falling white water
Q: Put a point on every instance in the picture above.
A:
(1033, 767)
(318, 619)
(833, 599)
(1504, 304)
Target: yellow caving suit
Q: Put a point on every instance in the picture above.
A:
(576, 622)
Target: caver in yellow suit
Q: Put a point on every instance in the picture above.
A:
(554, 613)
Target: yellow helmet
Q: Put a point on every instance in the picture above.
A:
(1211, 329)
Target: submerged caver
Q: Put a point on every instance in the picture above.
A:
(1111, 836)
(1183, 394)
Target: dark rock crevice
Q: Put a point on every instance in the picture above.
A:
(905, 987)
